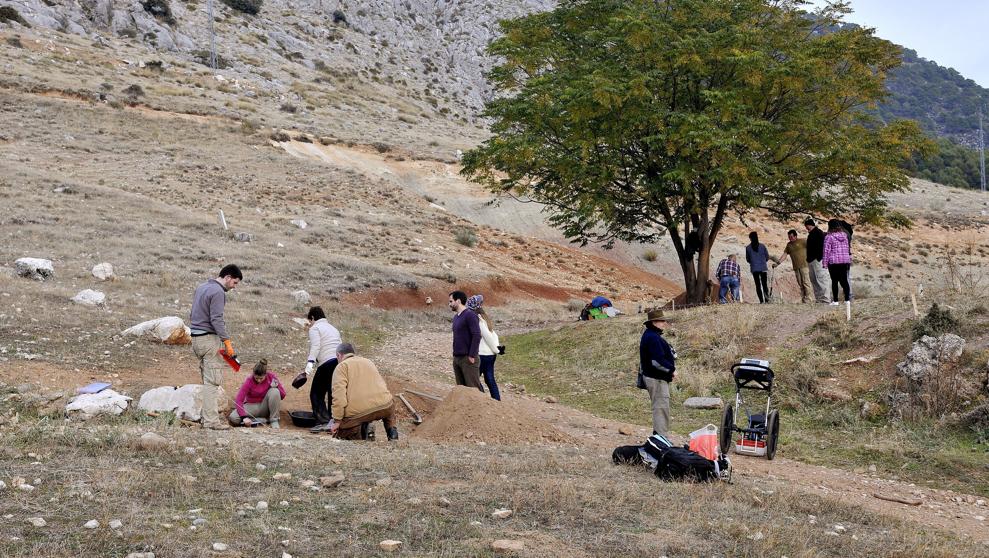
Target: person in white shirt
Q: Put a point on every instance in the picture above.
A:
(323, 342)
(487, 351)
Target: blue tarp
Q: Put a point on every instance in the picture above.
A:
(599, 301)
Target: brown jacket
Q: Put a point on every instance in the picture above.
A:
(358, 388)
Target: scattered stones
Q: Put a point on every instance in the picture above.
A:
(625, 430)
(91, 524)
(390, 545)
(89, 405)
(502, 513)
(25, 487)
(116, 524)
(282, 476)
(261, 506)
(243, 237)
(260, 466)
(302, 298)
(757, 536)
(89, 297)
(504, 546)
(443, 502)
(141, 555)
(198, 522)
(149, 441)
(170, 330)
(37, 521)
(38, 269)
(703, 403)
(220, 547)
(333, 480)
(104, 272)
(928, 355)
(550, 399)
(299, 223)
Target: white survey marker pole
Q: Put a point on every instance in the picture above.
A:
(223, 221)
(212, 38)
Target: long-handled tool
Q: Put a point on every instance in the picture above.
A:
(416, 419)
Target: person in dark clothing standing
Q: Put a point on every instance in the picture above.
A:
(657, 360)
(466, 340)
(209, 336)
(758, 257)
(815, 255)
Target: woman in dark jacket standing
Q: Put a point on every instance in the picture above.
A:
(758, 257)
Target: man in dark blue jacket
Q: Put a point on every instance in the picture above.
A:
(658, 363)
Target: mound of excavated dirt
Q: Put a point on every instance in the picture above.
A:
(468, 415)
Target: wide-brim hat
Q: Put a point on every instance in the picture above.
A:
(655, 315)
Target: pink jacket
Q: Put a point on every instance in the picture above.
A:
(253, 392)
(836, 249)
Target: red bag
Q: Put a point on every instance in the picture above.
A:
(705, 442)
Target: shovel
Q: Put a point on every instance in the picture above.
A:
(416, 419)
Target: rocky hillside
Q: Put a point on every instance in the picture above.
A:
(429, 50)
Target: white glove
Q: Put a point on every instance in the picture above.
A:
(309, 367)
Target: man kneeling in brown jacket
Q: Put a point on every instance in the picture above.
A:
(360, 396)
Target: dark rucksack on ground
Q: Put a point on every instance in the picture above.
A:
(668, 462)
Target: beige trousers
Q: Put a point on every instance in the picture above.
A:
(268, 408)
(803, 281)
(659, 393)
(820, 280)
(211, 366)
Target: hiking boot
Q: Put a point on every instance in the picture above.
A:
(367, 431)
(393, 434)
(325, 427)
(276, 424)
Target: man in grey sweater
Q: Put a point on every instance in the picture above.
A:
(209, 335)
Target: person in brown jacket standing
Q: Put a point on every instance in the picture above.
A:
(360, 396)
(796, 248)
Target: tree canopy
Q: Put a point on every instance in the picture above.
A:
(633, 119)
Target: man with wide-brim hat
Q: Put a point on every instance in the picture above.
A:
(658, 364)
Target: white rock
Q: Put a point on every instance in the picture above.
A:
(170, 330)
(302, 298)
(141, 555)
(261, 506)
(91, 524)
(260, 466)
(3, 485)
(24, 487)
(703, 403)
(35, 268)
(243, 237)
(502, 513)
(501, 546)
(220, 547)
(186, 402)
(286, 555)
(300, 223)
(116, 524)
(89, 405)
(89, 297)
(389, 545)
(37, 521)
(103, 272)
(152, 441)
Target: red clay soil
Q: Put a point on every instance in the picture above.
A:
(467, 415)
(496, 292)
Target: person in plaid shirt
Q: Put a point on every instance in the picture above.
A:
(837, 260)
(729, 275)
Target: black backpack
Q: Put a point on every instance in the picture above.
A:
(673, 462)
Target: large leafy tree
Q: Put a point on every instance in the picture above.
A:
(635, 119)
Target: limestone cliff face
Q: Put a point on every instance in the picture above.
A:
(433, 46)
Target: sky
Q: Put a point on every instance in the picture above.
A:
(948, 32)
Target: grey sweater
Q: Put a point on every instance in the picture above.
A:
(207, 309)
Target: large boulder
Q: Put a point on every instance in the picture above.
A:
(186, 401)
(928, 355)
(703, 403)
(89, 297)
(170, 330)
(103, 272)
(89, 405)
(35, 268)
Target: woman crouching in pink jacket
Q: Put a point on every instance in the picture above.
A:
(259, 398)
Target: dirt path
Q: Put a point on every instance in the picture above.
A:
(422, 359)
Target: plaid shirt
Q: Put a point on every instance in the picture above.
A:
(728, 268)
(836, 249)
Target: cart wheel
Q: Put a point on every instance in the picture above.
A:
(772, 433)
(727, 427)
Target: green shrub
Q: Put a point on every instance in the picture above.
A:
(465, 236)
(160, 9)
(937, 322)
(8, 13)
(250, 7)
